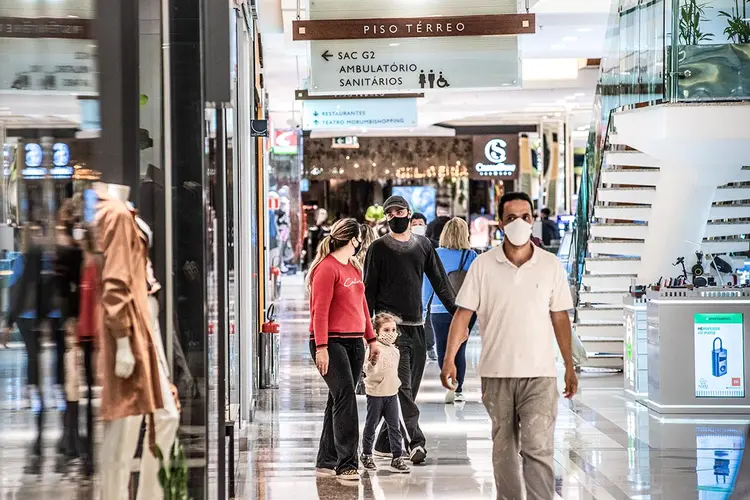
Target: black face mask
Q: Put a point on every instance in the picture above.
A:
(399, 224)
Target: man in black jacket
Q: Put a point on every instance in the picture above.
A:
(394, 269)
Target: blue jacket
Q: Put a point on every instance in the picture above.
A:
(450, 259)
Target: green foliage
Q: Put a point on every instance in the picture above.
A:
(692, 14)
(738, 29)
(173, 476)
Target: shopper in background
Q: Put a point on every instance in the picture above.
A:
(550, 231)
(456, 257)
(375, 217)
(394, 269)
(435, 228)
(521, 295)
(339, 319)
(419, 227)
(418, 224)
(315, 234)
(382, 385)
(33, 309)
(68, 263)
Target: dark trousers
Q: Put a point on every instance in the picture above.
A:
(88, 348)
(30, 333)
(382, 408)
(340, 438)
(441, 324)
(411, 345)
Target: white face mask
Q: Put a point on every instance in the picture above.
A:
(518, 232)
(420, 230)
(79, 233)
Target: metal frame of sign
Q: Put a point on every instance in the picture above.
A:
(414, 27)
(304, 95)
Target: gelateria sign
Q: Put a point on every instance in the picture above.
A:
(496, 156)
(412, 27)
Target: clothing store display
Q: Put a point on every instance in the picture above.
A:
(125, 313)
(337, 305)
(127, 348)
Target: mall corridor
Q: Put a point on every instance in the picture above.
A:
(606, 446)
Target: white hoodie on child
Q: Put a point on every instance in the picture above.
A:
(381, 378)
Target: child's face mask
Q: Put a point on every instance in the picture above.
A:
(388, 334)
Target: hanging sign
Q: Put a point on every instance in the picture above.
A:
(46, 27)
(413, 65)
(496, 157)
(414, 27)
(48, 65)
(347, 142)
(304, 95)
(363, 113)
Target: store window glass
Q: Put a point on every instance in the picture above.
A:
(48, 124)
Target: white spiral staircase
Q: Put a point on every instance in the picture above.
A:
(630, 183)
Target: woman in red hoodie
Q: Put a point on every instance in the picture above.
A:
(339, 320)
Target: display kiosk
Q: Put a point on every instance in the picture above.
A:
(636, 346)
(697, 352)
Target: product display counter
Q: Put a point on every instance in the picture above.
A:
(636, 346)
(697, 352)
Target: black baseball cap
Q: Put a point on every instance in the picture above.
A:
(395, 202)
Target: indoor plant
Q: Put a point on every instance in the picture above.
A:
(738, 29)
(173, 476)
(692, 14)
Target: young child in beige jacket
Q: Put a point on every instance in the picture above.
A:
(381, 386)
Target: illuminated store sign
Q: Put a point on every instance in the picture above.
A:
(496, 157)
(285, 142)
(719, 355)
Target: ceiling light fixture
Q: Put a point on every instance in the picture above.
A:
(569, 38)
(394, 44)
(585, 30)
(557, 46)
(580, 94)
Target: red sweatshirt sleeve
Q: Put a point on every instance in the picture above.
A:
(322, 296)
(369, 332)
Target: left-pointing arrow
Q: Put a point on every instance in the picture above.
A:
(327, 55)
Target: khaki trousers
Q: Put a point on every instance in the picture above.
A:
(523, 413)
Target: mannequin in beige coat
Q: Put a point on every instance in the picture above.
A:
(131, 385)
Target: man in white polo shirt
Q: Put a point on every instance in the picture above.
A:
(520, 293)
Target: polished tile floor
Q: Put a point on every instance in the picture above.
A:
(606, 446)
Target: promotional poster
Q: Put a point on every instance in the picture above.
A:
(719, 355)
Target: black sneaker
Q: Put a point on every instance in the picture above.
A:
(367, 462)
(348, 475)
(418, 455)
(398, 465)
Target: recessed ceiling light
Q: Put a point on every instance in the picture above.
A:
(557, 46)
(584, 30)
(394, 44)
(579, 94)
(569, 38)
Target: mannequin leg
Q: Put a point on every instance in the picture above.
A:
(118, 448)
(166, 422)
